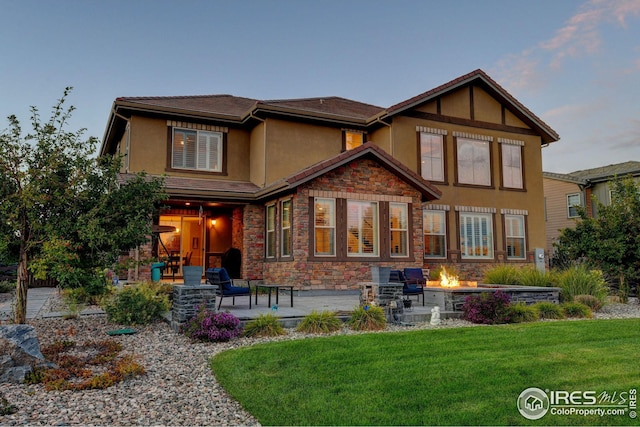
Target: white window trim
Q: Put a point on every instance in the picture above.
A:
(523, 237)
(332, 202)
(208, 160)
(569, 205)
(405, 253)
(283, 228)
(442, 213)
(376, 231)
(268, 231)
(464, 216)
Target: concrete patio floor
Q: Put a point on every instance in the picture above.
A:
(304, 302)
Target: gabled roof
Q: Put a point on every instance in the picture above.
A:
(599, 174)
(479, 76)
(605, 173)
(564, 177)
(240, 111)
(367, 150)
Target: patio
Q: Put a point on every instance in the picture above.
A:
(304, 302)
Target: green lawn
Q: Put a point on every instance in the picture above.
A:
(462, 376)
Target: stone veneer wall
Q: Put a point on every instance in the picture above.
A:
(253, 242)
(361, 178)
(186, 299)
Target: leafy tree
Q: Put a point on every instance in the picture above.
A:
(64, 211)
(611, 241)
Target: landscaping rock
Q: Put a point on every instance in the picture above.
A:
(19, 351)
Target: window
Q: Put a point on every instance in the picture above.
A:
(514, 233)
(476, 235)
(573, 200)
(435, 234)
(325, 227)
(362, 228)
(431, 156)
(197, 150)
(353, 140)
(474, 162)
(399, 228)
(512, 166)
(270, 249)
(285, 221)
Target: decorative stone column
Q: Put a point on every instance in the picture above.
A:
(187, 299)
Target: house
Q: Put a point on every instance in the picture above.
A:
(315, 191)
(564, 192)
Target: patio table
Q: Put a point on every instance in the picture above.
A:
(269, 288)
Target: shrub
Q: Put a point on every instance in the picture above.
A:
(530, 276)
(209, 326)
(520, 312)
(7, 286)
(320, 323)
(502, 275)
(579, 280)
(266, 325)
(487, 308)
(139, 304)
(549, 310)
(589, 300)
(576, 309)
(368, 318)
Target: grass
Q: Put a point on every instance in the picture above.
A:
(462, 376)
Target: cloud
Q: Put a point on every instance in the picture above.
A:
(581, 35)
(628, 137)
(582, 32)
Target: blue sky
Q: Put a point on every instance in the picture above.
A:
(574, 63)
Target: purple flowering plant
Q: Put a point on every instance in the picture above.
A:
(487, 308)
(207, 325)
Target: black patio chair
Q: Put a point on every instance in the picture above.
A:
(220, 278)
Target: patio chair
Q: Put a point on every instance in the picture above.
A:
(415, 282)
(220, 278)
(411, 287)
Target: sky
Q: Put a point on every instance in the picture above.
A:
(573, 63)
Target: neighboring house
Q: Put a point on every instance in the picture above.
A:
(563, 192)
(313, 192)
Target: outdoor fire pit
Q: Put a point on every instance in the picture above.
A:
(449, 293)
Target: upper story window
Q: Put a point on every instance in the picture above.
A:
(196, 150)
(512, 166)
(573, 200)
(362, 228)
(352, 140)
(474, 161)
(476, 235)
(399, 229)
(432, 156)
(324, 219)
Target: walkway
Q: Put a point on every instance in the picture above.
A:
(36, 298)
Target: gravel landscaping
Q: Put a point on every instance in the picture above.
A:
(178, 388)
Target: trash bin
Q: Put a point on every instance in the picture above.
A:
(156, 271)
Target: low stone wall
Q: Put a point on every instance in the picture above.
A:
(452, 299)
(186, 300)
